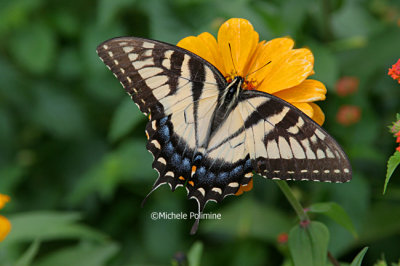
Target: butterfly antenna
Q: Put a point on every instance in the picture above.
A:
(233, 63)
(266, 64)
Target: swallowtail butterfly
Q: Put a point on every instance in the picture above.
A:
(210, 135)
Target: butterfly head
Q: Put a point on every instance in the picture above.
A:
(233, 89)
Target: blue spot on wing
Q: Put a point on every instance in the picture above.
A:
(164, 133)
(223, 176)
(163, 121)
(238, 170)
(176, 160)
(169, 149)
(186, 165)
(247, 165)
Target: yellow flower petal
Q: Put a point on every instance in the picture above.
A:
(292, 69)
(205, 46)
(318, 115)
(271, 51)
(3, 200)
(308, 91)
(237, 42)
(305, 108)
(5, 227)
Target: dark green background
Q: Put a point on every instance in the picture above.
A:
(72, 144)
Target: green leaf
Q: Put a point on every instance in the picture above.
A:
(247, 218)
(309, 245)
(194, 254)
(29, 255)
(34, 47)
(336, 213)
(358, 259)
(116, 167)
(353, 20)
(58, 112)
(392, 164)
(326, 65)
(17, 13)
(47, 225)
(125, 118)
(81, 255)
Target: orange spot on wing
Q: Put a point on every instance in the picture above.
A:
(191, 183)
(244, 188)
(181, 178)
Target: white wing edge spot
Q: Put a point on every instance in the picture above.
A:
(248, 175)
(156, 143)
(162, 160)
(202, 191)
(170, 173)
(233, 184)
(217, 190)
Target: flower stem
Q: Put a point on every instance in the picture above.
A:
(292, 200)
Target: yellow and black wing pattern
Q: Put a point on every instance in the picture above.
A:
(210, 135)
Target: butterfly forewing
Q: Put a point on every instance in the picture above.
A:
(211, 152)
(154, 73)
(291, 146)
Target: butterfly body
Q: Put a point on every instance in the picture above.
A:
(210, 135)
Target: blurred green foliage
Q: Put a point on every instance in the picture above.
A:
(72, 144)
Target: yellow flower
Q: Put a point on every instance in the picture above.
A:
(5, 225)
(273, 67)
